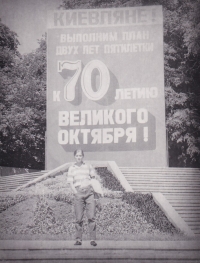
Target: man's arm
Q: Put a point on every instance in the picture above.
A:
(92, 171)
(70, 179)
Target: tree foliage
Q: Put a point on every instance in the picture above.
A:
(23, 103)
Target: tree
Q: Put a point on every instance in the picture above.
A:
(8, 46)
(183, 76)
(23, 110)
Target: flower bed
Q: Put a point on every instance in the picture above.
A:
(47, 209)
(8, 201)
(108, 180)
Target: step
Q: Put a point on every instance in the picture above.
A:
(192, 220)
(160, 168)
(184, 204)
(159, 184)
(184, 171)
(18, 175)
(194, 223)
(11, 182)
(186, 197)
(161, 178)
(18, 181)
(146, 170)
(166, 190)
(157, 172)
(160, 173)
(105, 251)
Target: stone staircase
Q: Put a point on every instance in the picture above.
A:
(11, 182)
(180, 186)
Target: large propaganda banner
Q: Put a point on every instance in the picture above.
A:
(105, 86)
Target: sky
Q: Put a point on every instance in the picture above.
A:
(28, 19)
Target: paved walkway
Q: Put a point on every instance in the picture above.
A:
(105, 251)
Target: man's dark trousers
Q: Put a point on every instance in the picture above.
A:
(84, 199)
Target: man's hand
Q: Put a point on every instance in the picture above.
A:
(98, 206)
(73, 188)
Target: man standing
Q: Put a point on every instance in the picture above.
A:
(79, 176)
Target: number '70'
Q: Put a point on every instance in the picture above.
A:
(86, 76)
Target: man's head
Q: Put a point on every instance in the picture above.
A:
(78, 155)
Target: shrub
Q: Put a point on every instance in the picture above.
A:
(44, 219)
(67, 198)
(8, 201)
(108, 179)
(150, 211)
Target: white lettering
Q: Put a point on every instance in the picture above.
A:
(128, 48)
(118, 132)
(65, 50)
(119, 94)
(153, 92)
(120, 116)
(119, 17)
(131, 134)
(82, 18)
(63, 118)
(69, 38)
(108, 117)
(106, 17)
(91, 49)
(127, 94)
(130, 14)
(62, 38)
(97, 117)
(74, 118)
(141, 93)
(86, 117)
(142, 115)
(71, 18)
(93, 18)
(100, 136)
(63, 137)
(135, 35)
(96, 134)
(73, 136)
(127, 16)
(136, 93)
(129, 117)
(56, 95)
(85, 133)
(142, 16)
(107, 138)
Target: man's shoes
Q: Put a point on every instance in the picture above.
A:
(93, 243)
(78, 242)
